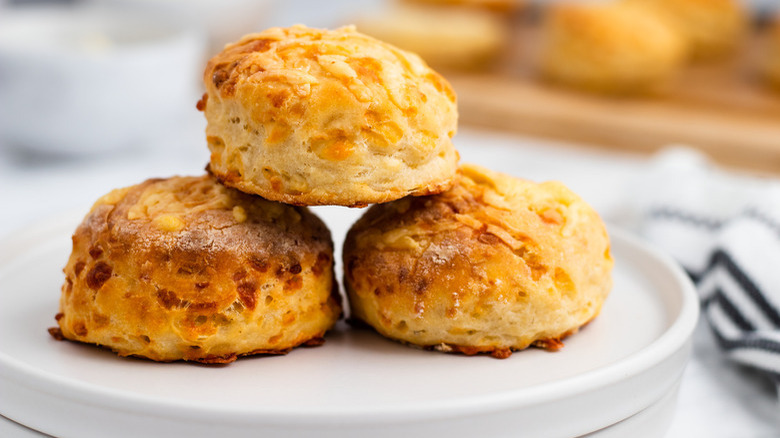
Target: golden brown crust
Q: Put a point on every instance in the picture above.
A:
(493, 265)
(184, 268)
(311, 117)
(610, 48)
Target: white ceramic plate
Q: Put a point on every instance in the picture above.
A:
(358, 384)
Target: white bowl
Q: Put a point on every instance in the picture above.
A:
(223, 20)
(84, 80)
(617, 377)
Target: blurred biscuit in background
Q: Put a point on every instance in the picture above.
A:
(612, 48)
(498, 6)
(445, 37)
(714, 29)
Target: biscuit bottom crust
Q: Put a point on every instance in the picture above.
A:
(316, 341)
(356, 196)
(187, 269)
(492, 266)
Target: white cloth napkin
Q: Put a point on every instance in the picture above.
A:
(725, 231)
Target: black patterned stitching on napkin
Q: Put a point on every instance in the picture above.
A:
(764, 219)
(753, 343)
(722, 258)
(713, 224)
(730, 309)
(748, 337)
(675, 214)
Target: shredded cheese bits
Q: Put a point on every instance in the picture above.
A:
(239, 214)
(168, 223)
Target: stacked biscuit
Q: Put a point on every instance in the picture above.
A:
(456, 259)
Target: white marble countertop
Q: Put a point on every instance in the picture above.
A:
(717, 399)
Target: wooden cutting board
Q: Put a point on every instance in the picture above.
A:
(721, 109)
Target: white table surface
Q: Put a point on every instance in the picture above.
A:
(717, 399)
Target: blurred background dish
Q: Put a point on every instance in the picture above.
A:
(223, 20)
(79, 80)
